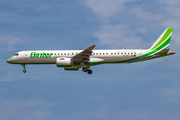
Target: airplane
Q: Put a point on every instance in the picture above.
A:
(74, 59)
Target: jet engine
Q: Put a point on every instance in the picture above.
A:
(64, 62)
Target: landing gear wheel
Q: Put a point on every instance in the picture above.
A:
(89, 71)
(84, 69)
(24, 71)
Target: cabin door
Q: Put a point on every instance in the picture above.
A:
(140, 53)
(26, 55)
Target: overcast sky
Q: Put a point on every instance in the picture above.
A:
(147, 90)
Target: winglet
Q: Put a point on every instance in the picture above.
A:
(163, 41)
(92, 47)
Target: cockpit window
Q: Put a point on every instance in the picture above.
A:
(16, 54)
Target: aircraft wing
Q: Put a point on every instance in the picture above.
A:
(84, 55)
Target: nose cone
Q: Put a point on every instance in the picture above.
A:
(9, 60)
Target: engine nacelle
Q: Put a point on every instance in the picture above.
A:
(64, 62)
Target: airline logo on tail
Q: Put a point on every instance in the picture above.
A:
(163, 41)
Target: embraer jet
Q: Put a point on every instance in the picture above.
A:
(75, 59)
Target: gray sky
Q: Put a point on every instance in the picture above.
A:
(140, 91)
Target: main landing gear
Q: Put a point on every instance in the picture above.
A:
(89, 71)
(24, 71)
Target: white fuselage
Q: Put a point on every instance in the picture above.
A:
(75, 59)
(50, 56)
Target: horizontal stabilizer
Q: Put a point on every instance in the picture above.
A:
(165, 51)
(171, 52)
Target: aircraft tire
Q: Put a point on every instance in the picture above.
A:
(89, 71)
(84, 69)
(24, 71)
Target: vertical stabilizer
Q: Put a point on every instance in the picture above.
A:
(163, 41)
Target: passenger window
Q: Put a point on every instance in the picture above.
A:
(128, 53)
(96, 53)
(106, 53)
(103, 53)
(68, 53)
(64, 53)
(111, 53)
(100, 53)
(72, 54)
(61, 53)
(124, 53)
(115, 53)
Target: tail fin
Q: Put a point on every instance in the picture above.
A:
(163, 41)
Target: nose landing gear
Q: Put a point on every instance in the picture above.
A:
(24, 71)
